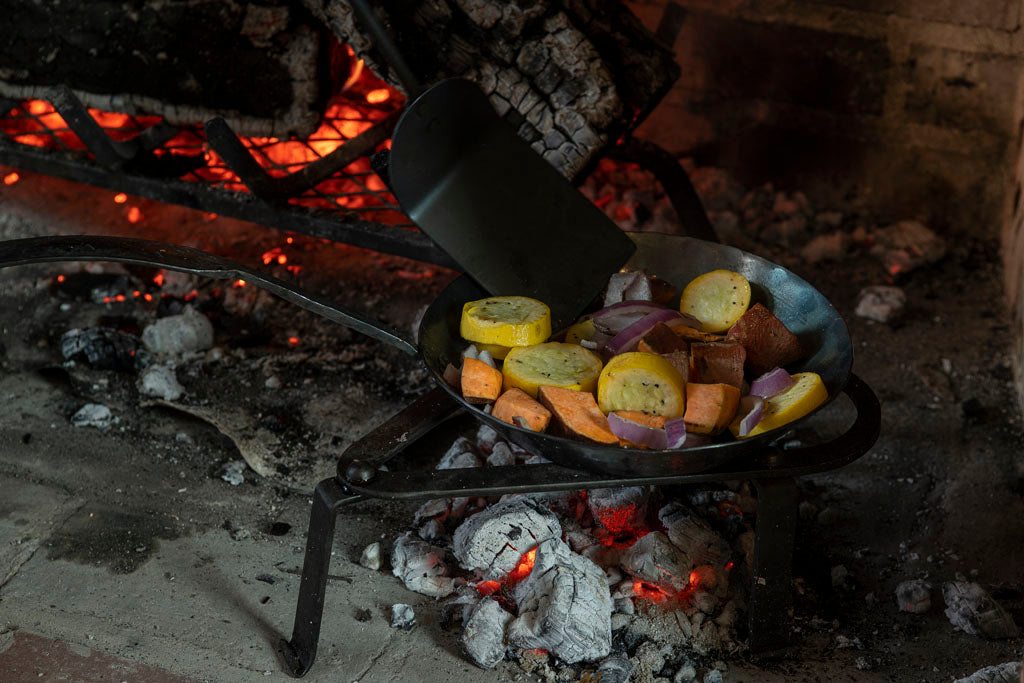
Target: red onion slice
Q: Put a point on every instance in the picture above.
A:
(453, 375)
(627, 307)
(628, 338)
(637, 433)
(617, 285)
(675, 430)
(753, 406)
(770, 383)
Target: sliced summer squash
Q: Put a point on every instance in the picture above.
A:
(554, 364)
(642, 381)
(717, 299)
(506, 321)
(805, 394)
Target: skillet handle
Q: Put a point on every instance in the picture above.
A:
(840, 451)
(187, 260)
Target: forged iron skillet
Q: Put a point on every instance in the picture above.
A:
(676, 259)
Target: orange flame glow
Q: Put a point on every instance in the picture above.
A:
(523, 569)
(120, 198)
(648, 591)
(239, 283)
(134, 214)
(158, 279)
(378, 96)
(294, 341)
(61, 278)
(11, 178)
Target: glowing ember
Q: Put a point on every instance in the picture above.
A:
(729, 566)
(617, 520)
(274, 255)
(158, 279)
(11, 178)
(61, 278)
(523, 569)
(290, 240)
(239, 283)
(192, 295)
(378, 96)
(486, 588)
(648, 592)
(134, 214)
(120, 198)
(147, 297)
(294, 341)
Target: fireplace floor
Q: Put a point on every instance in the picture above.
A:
(127, 549)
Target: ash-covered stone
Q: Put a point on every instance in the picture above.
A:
(501, 455)
(483, 635)
(972, 610)
(655, 560)
(619, 509)
(494, 540)
(102, 348)
(159, 381)
(1002, 673)
(93, 415)
(564, 606)
(403, 616)
(178, 334)
(881, 303)
(914, 596)
(421, 566)
(371, 556)
(694, 537)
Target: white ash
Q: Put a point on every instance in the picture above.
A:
(460, 605)
(486, 438)
(501, 455)
(613, 504)
(483, 635)
(881, 303)
(536, 460)
(433, 508)
(93, 415)
(233, 472)
(845, 642)
(1001, 673)
(707, 603)
(494, 540)
(421, 567)
(694, 536)
(159, 381)
(655, 560)
(459, 461)
(713, 676)
(914, 596)
(972, 610)
(559, 502)
(433, 531)
(649, 659)
(612, 575)
(624, 606)
(685, 674)
(564, 606)
(371, 556)
(613, 670)
(403, 616)
(175, 335)
(863, 664)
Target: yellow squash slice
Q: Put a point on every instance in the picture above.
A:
(805, 394)
(506, 321)
(642, 381)
(555, 364)
(581, 330)
(717, 299)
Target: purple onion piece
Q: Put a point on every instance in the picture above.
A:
(634, 432)
(770, 383)
(453, 375)
(753, 407)
(628, 338)
(627, 307)
(675, 430)
(617, 285)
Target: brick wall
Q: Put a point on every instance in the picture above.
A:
(912, 105)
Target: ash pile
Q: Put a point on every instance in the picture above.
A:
(608, 584)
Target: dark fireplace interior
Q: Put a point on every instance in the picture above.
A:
(166, 435)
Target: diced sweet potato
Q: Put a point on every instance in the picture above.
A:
(652, 421)
(710, 407)
(517, 403)
(718, 363)
(768, 342)
(661, 340)
(480, 382)
(576, 414)
(691, 334)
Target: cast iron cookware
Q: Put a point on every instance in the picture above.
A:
(676, 259)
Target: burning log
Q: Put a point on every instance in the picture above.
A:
(571, 76)
(494, 540)
(184, 61)
(564, 606)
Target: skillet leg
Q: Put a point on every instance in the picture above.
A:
(299, 653)
(771, 592)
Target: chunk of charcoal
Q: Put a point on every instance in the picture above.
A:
(914, 596)
(458, 461)
(101, 348)
(421, 566)
(501, 455)
(370, 557)
(459, 607)
(881, 303)
(432, 509)
(693, 536)
(363, 615)
(486, 438)
(564, 606)
(614, 670)
(621, 509)
(972, 610)
(1001, 673)
(494, 540)
(483, 635)
(93, 415)
(403, 616)
(159, 381)
(655, 560)
(178, 334)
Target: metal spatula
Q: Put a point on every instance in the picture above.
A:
(508, 218)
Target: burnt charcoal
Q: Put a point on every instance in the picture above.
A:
(160, 381)
(654, 560)
(693, 536)
(403, 616)
(178, 334)
(102, 348)
(914, 596)
(974, 410)
(421, 566)
(972, 610)
(564, 606)
(370, 557)
(718, 363)
(363, 615)
(483, 637)
(279, 528)
(93, 415)
(619, 509)
(614, 670)
(267, 578)
(1002, 673)
(494, 540)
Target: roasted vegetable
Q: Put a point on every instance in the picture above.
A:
(717, 362)
(517, 403)
(717, 299)
(576, 414)
(554, 363)
(642, 381)
(768, 342)
(805, 394)
(710, 407)
(480, 382)
(506, 321)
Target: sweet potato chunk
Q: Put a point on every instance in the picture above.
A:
(768, 342)
(576, 414)
(690, 334)
(480, 382)
(517, 403)
(710, 407)
(718, 363)
(661, 340)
